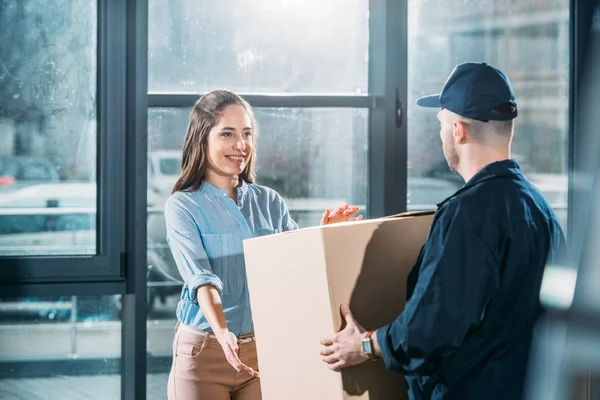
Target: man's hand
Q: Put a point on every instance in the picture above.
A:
(344, 349)
(228, 342)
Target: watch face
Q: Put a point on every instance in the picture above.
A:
(366, 346)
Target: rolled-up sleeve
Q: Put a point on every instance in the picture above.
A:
(185, 243)
(459, 275)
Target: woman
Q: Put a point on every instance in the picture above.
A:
(215, 205)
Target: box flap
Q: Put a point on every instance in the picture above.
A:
(412, 214)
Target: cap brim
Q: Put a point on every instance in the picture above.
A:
(431, 101)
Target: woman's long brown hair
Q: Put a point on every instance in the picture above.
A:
(204, 116)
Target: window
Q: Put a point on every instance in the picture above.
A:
(47, 124)
(297, 46)
(303, 66)
(529, 42)
(61, 345)
(60, 163)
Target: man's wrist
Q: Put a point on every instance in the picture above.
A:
(376, 347)
(369, 347)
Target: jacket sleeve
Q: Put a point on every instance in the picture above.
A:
(459, 276)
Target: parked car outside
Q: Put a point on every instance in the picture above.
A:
(163, 170)
(19, 171)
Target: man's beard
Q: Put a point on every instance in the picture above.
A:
(452, 157)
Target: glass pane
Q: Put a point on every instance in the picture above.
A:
(314, 158)
(47, 127)
(68, 347)
(271, 46)
(527, 40)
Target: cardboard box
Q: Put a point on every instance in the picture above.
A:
(298, 280)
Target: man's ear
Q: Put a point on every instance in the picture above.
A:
(459, 132)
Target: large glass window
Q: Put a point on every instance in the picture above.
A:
(63, 345)
(529, 41)
(314, 157)
(50, 170)
(272, 46)
(48, 127)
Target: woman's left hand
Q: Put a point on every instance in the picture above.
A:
(342, 213)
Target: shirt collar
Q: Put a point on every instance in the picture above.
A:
(206, 187)
(491, 171)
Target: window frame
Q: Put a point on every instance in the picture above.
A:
(387, 152)
(584, 181)
(106, 264)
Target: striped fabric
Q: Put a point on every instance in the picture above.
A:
(205, 230)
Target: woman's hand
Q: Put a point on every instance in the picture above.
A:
(228, 342)
(342, 213)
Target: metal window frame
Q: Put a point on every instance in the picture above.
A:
(580, 15)
(134, 332)
(106, 263)
(585, 183)
(388, 82)
(264, 100)
(63, 289)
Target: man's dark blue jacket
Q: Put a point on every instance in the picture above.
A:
(474, 292)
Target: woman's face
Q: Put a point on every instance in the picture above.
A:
(230, 142)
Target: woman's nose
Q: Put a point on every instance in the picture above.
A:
(240, 145)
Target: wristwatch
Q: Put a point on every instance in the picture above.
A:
(367, 346)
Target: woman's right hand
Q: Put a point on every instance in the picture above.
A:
(229, 344)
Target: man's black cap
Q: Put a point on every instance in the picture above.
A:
(474, 90)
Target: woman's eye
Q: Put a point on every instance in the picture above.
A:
(248, 133)
(226, 134)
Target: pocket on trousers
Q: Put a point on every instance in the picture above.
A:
(186, 349)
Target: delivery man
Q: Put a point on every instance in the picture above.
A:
(473, 295)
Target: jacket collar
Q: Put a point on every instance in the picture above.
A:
(498, 169)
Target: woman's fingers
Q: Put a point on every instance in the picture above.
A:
(325, 217)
